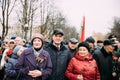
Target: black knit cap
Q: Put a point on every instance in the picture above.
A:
(112, 36)
(109, 42)
(90, 39)
(99, 41)
(84, 44)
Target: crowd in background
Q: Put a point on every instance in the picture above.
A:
(57, 60)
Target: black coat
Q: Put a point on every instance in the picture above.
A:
(60, 59)
(104, 61)
(72, 52)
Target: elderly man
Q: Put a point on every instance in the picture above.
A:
(104, 59)
(72, 45)
(59, 54)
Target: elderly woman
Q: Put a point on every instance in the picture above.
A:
(34, 63)
(82, 66)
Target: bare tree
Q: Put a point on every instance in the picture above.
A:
(48, 15)
(6, 7)
(44, 14)
(115, 28)
(26, 15)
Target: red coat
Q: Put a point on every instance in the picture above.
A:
(85, 66)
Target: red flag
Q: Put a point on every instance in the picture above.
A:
(82, 35)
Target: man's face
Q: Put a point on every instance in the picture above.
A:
(57, 39)
(72, 45)
(91, 45)
(100, 44)
(109, 48)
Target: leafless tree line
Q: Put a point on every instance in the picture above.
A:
(30, 12)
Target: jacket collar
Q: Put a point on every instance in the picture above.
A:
(81, 58)
(31, 57)
(105, 53)
(62, 46)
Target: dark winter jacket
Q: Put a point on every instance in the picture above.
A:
(72, 52)
(60, 59)
(27, 61)
(104, 61)
(9, 67)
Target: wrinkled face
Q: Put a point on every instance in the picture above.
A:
(83, 51)
(37, 43)
(57, 39)
(72, 45)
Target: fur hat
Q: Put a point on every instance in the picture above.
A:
(84, 44)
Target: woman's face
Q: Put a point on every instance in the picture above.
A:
(11, 45)
(83, 51)
(37, 43)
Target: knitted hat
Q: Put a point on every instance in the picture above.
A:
(99, 41)
(40, 36)
(16, 49)
(112, 36)
(90, 39)
(109, 42)
(84, 44)
(11, 41)
(13, 37)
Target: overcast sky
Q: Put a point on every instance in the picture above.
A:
(99, 13)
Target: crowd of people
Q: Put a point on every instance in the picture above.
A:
(57, 60)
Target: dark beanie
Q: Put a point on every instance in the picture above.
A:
(84, 44)
(90, 39)
(112, 36)
(109, 42)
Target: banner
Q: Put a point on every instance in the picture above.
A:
(82, 32)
